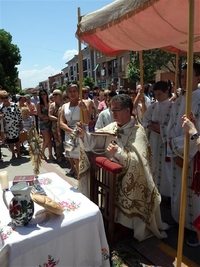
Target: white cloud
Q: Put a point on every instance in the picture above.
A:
(31, 78)
(69, 54)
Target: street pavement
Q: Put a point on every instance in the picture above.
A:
(23, 166)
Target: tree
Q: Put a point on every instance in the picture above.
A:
(154, 60)
(62, 87)
(9, 58)
(87, 81)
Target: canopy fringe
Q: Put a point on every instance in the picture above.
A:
(122, 18)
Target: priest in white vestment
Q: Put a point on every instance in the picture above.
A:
(176, 149)
(125, 141)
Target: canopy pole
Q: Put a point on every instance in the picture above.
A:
(176, 71)
(141, 68)
(142, 78)
(80, 62)
(186, 140)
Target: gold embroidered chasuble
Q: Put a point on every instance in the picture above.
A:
(137, 194)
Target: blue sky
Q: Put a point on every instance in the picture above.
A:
(44, 31)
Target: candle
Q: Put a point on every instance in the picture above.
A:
(4, 180)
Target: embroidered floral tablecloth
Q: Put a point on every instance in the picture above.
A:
(76, 238)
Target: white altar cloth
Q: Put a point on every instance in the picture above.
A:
(76, 238)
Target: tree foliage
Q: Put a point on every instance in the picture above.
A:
(9, 58)
(62, 87)
(87, 81)
(154, 60)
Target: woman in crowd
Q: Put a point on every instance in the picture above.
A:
(53, 116)
(31, 106)
(69, 116)
(102, 104)
(21, 102)
(45, 123)
(96, 103)
(12, 123)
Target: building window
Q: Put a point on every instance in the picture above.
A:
(84, 64)
(103, 72)
(121, 63)
(99, 54)
(88, 64)
(109, 68)
(115, 67)
(71, 71)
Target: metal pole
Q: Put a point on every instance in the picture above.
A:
(186, 141)
(141, 68)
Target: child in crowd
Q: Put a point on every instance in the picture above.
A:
(27, 122)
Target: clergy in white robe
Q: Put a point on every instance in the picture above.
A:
(155, 121)
(176, 149)
(105, 117)
(137, 198)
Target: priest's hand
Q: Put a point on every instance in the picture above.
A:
(112, 148)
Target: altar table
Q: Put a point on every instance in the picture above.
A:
(75, 238)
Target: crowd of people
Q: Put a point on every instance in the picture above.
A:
(142, 129)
